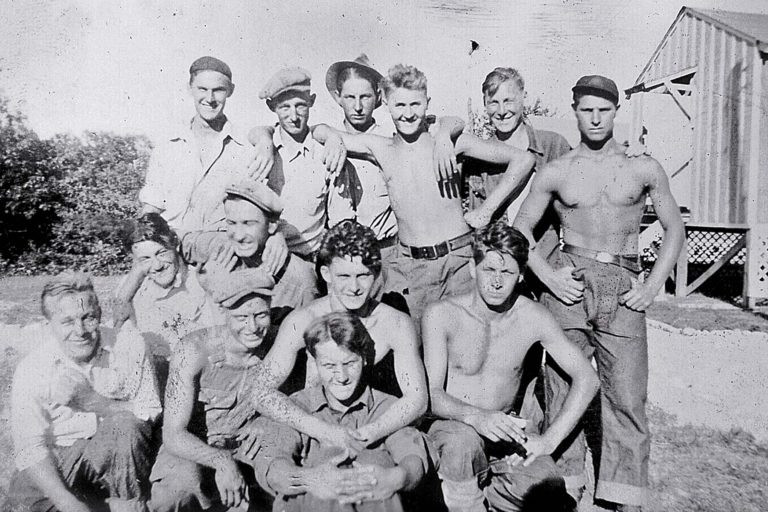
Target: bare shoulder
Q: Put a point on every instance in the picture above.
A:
(299, 319)
(192, 350)
(534, 315)
(647, 168)
(447, 312)
(391, 317)
(558, 168)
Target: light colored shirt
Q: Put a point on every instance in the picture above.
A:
(189, 192)
(311, 202)
(121, 371)
(373, 207)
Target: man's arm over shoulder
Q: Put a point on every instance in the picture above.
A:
(366, 145)
(198, 246)
(281, 358)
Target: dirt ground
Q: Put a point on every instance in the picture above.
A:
(708, 411)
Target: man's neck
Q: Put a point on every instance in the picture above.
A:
(491, 313)
(504, 136)
(354, 129)
(342, 407)
(365, 311)
(598, 148)
(204, 128)
(293, 143)
(421, 135)
(517, 138)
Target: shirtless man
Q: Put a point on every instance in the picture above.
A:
(599, 195)
(434, 255)
(349, 261)
(475, 365)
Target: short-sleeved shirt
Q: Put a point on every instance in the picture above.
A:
(121, 371)
(281, 441)
(312, 201)
(372, 206)
(190, 193)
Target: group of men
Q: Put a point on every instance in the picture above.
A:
(340, 262)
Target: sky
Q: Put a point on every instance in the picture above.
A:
(122, 66)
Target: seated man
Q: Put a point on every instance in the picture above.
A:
(434, 252)
(159, 295)
(81, 411)
(210, 423)
(307, 474)
(349, 261)
(474, 347)
(252, 211)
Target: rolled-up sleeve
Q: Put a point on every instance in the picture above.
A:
(405, 442)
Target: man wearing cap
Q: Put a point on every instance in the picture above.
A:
(252, 211)
(187, 173)
(210, 425)
(599, 196)
(354, 85)
(305, 173)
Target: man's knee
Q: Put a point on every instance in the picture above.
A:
(167, 497)
(128, 434)
(460, 448)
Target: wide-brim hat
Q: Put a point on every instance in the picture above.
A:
(361, 62)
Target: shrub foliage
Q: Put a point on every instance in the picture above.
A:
(63, 200)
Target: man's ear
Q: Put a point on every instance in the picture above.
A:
(378, 96)
(428, 100)
(325, 273)
(472, 268)
(272, 227)
(336, 97)
(312, 99)
(231, 89)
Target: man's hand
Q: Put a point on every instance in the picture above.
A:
(477, 218)
(217, 268)
(640, 297)
(229, 481)
(275, 253)
(564, 286)
(335, 435)
(497, 426)
(330, 482)
(536, 446)
(378, 484)
(249, 438)
(444, 162)
(72, 504)
(334, 153)
(366, 434)
(262, 158)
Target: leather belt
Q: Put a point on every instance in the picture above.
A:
(388, 242)
(629, 262)
(432, 252)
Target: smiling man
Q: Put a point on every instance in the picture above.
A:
(474, 348)
(599, 195)
(308, 474)
(210, 424)
(80, 411)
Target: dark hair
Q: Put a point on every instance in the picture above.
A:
(500, 75)
(149, 227)
(355, 72)
(68, 283)
(349, 238)
(501, 238)
(346, 330)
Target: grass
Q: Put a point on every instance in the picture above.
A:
(692, 468)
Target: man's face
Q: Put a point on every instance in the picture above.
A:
(247, 227)
(292, 109)
(505, 108)
(349, 281)
(358, 100)
(408, 109)
(74, 320)
(161, 263)
(210, 90)
(496, 277)
(339, 369)
(249, 322)
(594, 116)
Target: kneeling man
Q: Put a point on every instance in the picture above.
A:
(308, 474)
(474, 347)
(210, 425)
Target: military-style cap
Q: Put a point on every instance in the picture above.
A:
(258, 194)
(361, 62)
(597, 85)
(230, 289)
(208, 63)
(288, 79)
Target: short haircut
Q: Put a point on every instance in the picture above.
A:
(501, 238)
(150, 227)
(349, 238)
(355, 72)
(403, 76)
(500, 75)
(346, 330)
(68, 283)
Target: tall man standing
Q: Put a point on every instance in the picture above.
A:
(599, 195)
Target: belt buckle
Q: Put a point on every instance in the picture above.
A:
(604, 257)
(425, 253)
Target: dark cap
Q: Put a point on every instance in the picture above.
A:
(288, 79)
(210, 64)
(597, 85)
(258, 194)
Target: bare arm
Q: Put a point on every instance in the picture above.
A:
(365, 145)
(409, 371)
(45, 475)
(668, 212)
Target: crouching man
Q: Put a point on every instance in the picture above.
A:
(307, 474)
(81, 411)
(210, 427)
(474, 347)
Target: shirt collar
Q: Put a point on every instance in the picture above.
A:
(306, 145)
(228, 131)
(318, 401)
(534, 144)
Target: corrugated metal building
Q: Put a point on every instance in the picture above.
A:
(711, 67)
